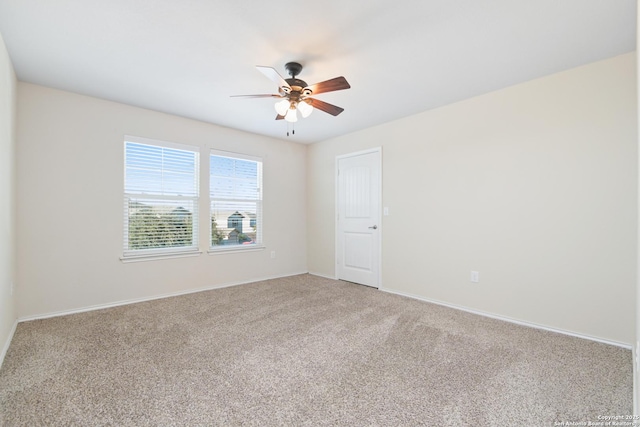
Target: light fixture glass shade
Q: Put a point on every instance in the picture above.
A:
(291, 116)
(304, 108)
(282, 107)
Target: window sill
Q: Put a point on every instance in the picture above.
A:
(153, 257)
(232, 250)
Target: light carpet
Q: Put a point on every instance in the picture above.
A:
(304, 351)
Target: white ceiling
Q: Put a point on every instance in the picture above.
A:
(401, 57)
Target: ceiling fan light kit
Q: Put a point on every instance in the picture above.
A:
(305, 108)
(282, 107)
(291, 115)
(295, 94)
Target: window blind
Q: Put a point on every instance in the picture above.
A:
(235, 183)
(161, 191)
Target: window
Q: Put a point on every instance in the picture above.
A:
(161, 187)
(236, 200)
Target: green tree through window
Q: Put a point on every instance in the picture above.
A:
(161, 197)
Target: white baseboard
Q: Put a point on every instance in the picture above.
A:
(510, 320)
(636, 379)
(229, 284)
(7, 343)
(151, 298)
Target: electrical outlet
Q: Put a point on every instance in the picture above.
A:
(475, 277)
(273, 254)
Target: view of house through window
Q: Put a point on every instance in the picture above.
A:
(160, 197)
(236, 200)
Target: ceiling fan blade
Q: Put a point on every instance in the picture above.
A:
(339, 83)
(257, 96)
(279, 117)
(273, 75)
(334, 110)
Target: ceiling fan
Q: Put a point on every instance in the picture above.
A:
(295, 94)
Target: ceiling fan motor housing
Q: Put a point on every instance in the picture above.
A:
(294, 68)
(296, 82)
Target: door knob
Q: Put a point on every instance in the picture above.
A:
(375, 227)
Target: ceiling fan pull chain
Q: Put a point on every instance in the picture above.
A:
(293, 129)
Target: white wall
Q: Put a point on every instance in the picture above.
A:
(636, 348)
(534, 186)
(70, 214)
(8, 85)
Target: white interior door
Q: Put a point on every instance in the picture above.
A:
(358, 216)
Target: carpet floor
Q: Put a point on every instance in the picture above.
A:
(304, 351)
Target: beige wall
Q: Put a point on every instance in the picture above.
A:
(70, 215)
(8, 86)
(534, 186)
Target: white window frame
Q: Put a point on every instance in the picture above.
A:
(259, 245)
(161, 253)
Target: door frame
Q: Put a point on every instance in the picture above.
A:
(337, 207)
